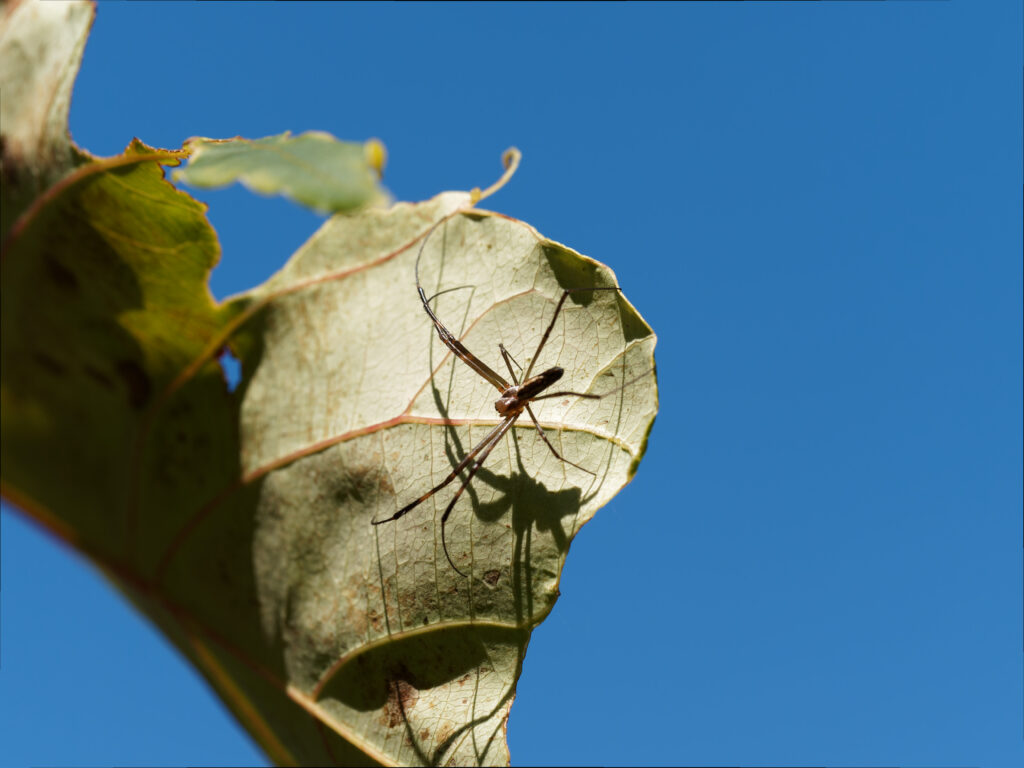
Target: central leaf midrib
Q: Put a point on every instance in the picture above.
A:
(405, 419)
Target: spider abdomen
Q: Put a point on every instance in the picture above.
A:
(514, 399)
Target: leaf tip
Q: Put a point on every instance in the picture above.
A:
(376, 155)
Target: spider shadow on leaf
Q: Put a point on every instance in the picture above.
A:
(516, 395)
(531, 503)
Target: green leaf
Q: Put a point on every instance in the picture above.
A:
(117, 426)
(104, 300)
(312, 168)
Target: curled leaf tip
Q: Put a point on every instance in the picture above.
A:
(510, 159)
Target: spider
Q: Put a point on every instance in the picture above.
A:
(515, 399)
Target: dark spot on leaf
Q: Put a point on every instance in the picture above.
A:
(50, 364)
(136, 381)
(402, 697)
(10, 164)
(61, 275)
(491, 577)
(424, 734)
(100, 377)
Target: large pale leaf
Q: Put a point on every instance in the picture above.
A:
(352, 408)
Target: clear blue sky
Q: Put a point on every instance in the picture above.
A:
(818, 209)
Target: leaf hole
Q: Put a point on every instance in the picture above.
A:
(231, 367)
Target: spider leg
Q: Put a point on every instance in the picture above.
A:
(456, 346)
(544, 437)
(591, 395)
(448, 290)
(558, 308)
(516, 362)
(446, 336)
(494, 434)
(587, 395)
(495, 438)
(507, 357)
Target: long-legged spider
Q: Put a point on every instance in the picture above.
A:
(514, 400)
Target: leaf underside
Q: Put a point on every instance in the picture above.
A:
(337, 443)
(240, 521)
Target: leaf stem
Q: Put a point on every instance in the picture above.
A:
(510, 158)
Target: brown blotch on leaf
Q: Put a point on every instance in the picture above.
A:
(402, 696)
(491, 577)
(61, 275)
(136, 381)
(50, 364)
(376, 620)
(444, 733)
(100, 378)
